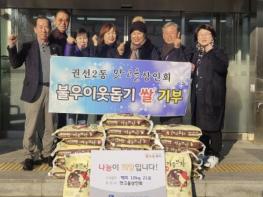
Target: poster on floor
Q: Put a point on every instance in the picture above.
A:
(141, 174)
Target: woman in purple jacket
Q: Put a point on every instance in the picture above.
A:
(78, 47)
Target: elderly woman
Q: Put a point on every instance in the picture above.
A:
(209, 91)
(106, 44)
(140, 47)
(78, 46)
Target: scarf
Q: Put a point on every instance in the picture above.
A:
(135, 51)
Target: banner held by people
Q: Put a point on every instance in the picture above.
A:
(87, 85)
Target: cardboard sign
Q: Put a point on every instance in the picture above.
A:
(127, 174)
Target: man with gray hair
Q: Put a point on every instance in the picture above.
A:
(172, 50)
(35, 94)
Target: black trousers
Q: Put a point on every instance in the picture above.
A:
(80, 117)
(172, 120)
(62, 120)
(213, 142)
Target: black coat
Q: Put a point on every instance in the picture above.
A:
(147, 51)
(106, 51)
(73, 50)
(175, 55)
(30, 55)
(56, 37)
(209, 90)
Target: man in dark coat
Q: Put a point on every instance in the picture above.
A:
(59, 36)
(172, 50)
(209, 91)
(36, 56)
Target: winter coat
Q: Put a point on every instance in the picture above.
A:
(147, 51)
(58, 38)
(208, 91)
(106, 51)
(175, 55)
(73, 50)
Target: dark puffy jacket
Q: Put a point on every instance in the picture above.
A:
(73, 50)
(175, 55)
(107, 51)
(147, 51)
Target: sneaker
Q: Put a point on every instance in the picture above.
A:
(211, 162)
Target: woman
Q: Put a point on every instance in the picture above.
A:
(106, 44)
(140, 47)
(209, 91)
(78, 46)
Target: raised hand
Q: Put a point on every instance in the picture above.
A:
(71, 40)
(12, 39)
(95, 40)
(120, 48)
(177, 41)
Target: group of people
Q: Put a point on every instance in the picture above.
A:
(209, 73)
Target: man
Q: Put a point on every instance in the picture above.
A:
(59, 36)
(172, 50)
(36, 56)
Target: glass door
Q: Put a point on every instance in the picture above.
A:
(233, 34)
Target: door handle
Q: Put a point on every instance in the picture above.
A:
(258, 106)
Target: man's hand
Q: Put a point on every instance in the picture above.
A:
(193, 67)
(12, 39)
(70, 40)
(177, 41)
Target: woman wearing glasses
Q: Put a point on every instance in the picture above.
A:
(209, 91)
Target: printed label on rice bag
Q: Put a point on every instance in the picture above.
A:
(178, 174)
(77, 175)
(127, 173)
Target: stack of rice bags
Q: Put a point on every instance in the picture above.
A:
(75, 139)
(183, 150)
(180, 139)
(128, 132)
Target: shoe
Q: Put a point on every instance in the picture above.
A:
(211, 162)
(28, 164)
(48, 160)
